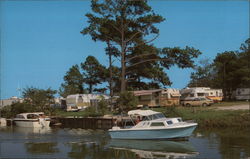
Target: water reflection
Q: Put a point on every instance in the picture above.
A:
(24, 130)
(232, 143)
(96, 144)
(155, 149)
(41, 148)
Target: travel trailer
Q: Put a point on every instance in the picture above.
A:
(81, 101)
(201, 92)
(158, 97)
(215, 94)
(242, 94)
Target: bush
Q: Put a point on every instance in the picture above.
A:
(127, 101)
(102, 106)
(91, 112)
(16, 108)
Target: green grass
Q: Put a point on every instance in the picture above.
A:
(230, 103)
(62, 113)
(85, 113)
(207, 117)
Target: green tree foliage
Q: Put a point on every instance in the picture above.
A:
(115, 85)
(229, 70)
(16, 108)
(226, 65)
(40, 99)
(122, 22)
(111, 51)
(102, 106)
(142, 69)
(203, 75)
(150, 63)
(35, 100)
(94, 73)
(130, 25)
(244, 61)
(127, 101)
(73, 82)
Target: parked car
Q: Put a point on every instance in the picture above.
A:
(198, 102)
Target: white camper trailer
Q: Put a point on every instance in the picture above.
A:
(201, 92)
(242, 94)
(81, 101)
(158, 97)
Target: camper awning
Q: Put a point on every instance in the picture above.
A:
(142, 112)
(145, 92)
(175, 94)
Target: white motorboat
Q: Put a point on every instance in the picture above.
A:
(35, 120)
(154, 125)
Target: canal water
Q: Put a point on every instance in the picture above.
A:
(18, 142)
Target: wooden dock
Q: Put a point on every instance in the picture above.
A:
(78, 122)
(86, 123)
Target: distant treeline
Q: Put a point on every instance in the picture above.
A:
(229, 70)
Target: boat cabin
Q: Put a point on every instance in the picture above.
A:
(34, 115)
(151, 119)
(27, 116)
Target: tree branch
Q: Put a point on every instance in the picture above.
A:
(132, 36)
(110, 38)
(112, 61)
(146, 42)
(156, 59)
(139, 56)
(130, 79)
(117, 59)
(116, 28)
(128, 72)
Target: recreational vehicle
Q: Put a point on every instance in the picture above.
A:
(81, 101)
(242, 94)
(201, 92)
(158, 97)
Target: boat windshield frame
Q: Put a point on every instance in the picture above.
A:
(155, 116)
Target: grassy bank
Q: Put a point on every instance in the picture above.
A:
(207, 117)
(85, 113)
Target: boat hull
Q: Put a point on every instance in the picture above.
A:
(32, 123)
(164, 133)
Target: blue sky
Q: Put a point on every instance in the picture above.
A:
(41, 40)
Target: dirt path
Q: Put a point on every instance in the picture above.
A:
(235, 107)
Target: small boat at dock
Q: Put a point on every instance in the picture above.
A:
(153, 125)
(33, 120)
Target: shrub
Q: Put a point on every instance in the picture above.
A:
(127, 101)
(102, 106)
(16, 108)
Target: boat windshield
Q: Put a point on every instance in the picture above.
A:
(156, 116)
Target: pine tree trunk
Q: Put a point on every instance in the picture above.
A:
(90, 88)
(123, 78)
(111, 93)
(123, 54)
(123, 67)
